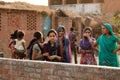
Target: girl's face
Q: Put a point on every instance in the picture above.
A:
(105, 30)
(52, 37)
(61, 33)
(88, 32)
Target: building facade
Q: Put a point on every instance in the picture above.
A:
(86, 6)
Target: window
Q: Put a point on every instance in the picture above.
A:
(55, 2)
(71, 1)
(86, 1)
(100, 1)
(31, 22)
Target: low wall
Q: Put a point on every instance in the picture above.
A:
(11, 69)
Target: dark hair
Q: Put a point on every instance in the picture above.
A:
(37, 35)
(20, 34)
(88, 28)
(51, 31)
(14, 35)
(71, 29)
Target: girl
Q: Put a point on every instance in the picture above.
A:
(36, 48)
(86, 49)
(20, 45)
(12, 43)
(107, 44)
(63, 44)
(50, 48)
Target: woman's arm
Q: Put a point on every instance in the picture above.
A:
(95, 46)
(35, 51)
(35, 56)
(118, 49)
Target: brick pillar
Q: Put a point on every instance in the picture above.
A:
(79, 27)
(63, 2)
(94, 1)
(78, 1)
(54, 22)
(49, 2)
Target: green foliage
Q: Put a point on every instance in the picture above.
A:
(116, 20)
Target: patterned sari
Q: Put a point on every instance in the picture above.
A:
(87, 53)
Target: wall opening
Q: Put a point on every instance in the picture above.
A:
(55, 2)
(31, 22)
(71, 1)
(86, 1)
(100, 1)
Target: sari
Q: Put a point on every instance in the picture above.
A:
(106, 45)
(66, 56)
(87, 53)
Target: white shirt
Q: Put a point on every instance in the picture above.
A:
(19, 45)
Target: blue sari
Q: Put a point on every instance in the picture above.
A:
(67, 57)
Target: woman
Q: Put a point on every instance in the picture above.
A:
(63, 44)
(86, 48)
(50, 51)
(107, 43)
(36, 47)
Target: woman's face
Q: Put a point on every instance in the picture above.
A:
(52, 37)
(61, 33)
(105, 30)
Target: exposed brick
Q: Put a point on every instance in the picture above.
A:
(53, 77)
(38, 70)
(55, 71)
(37, 76)
(47, 71)
(63, 73)
(27, 69)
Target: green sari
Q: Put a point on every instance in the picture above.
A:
(106, 47)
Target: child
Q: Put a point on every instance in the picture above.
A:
(20, 45)
(12, 43)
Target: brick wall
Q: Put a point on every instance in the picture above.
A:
(66, 22)
(11, 69)
(17, 20)
(27, 21)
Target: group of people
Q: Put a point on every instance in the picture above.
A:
(56, 48)
(60, 46)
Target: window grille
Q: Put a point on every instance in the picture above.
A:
(31, 22)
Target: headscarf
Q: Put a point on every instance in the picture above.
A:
(84, 42)
(112, 38)
(66, 44)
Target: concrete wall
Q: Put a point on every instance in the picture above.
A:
(111, 6)
(80, 8)
(11, 69)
